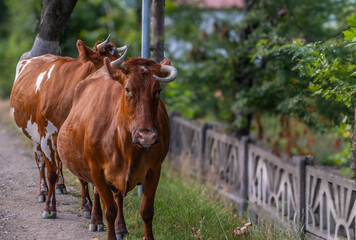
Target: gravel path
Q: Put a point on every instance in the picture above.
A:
(20, 213)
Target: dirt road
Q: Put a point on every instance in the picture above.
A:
(20, 213)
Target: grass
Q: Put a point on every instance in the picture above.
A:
(188, 210)
(185, 209)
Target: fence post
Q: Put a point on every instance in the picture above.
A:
(302, 162)
(172, 126)
(243, 154)
(204, 128)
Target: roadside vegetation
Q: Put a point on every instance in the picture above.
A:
(185, 209)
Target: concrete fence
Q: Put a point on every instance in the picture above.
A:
(316, 203)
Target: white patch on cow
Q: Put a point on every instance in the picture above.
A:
(21, 66)
(12, 112)
(49, 72)
(43, 186)
(112, 51)
(39, 154)
(39, 80)
(46, 149)
(32, 131)
(143, 68)
(41, 163)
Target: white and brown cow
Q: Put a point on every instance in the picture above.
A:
(41, 99)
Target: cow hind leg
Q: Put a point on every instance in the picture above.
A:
(120, 225)
(41, 168)
(96, 222)
(61, 188)
(86, 201)
(50, 210)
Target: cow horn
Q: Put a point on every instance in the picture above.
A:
(172, 71)
(119, 62)
(101, 46)
(121, 49)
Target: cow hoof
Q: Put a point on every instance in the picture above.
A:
(100, 227)
(87, 214)
(122, 234)
(61, 190)
(92, 227)
(42, 198)
(49, 215)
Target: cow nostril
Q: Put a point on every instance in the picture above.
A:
(145, 137)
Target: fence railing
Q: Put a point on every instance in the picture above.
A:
(314, 201)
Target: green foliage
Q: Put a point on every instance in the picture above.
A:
(19, 21)
(222, 56)
(325, 79)
(268, 60)
(91, 21)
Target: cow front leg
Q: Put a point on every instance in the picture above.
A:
(147, 202)
(96, 221)
(50, 210)
(120, 225)
(40, 161)
(109, 204)
(86, 201)
(61, 188)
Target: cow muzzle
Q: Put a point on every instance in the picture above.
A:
(145, 137)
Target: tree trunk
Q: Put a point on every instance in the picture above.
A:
(55, 14)
(244, 82)
(157, 30)
(353, 158)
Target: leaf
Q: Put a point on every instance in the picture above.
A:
(349, 36)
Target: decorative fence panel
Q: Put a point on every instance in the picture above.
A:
(273, 184)
(317, 203)
(331, 206)
(185, 144)
(223, 163)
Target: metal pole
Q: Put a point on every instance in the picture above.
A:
(146, 18)
(145, 42)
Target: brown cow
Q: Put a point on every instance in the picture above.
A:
(117, 135)
(41, 99)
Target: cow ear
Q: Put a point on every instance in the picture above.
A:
(83, 50)
(166, 61)
(96, 44)
(114, 73)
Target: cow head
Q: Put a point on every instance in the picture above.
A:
(101, 50)
(140, 80)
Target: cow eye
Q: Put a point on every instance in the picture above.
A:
(158, 92)
(127, 90)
